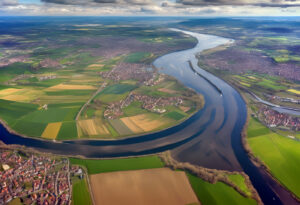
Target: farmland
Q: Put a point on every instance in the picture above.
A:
(81, 194)
(77, 85)
(102, 166)
(155, 186)
(141, 170)
(279, 153)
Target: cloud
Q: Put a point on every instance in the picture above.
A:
(8, 2)
(99, 2)
(151, 7)
(262, 3)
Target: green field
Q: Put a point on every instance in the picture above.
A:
(101, 166)
(10, 111)
(175, 115)
(137, 57)
(117, 89)
(280, 154)
(67, 131)
(217, 194)
(120, 127)
(255, 128)
(80, 192)
(239, 180)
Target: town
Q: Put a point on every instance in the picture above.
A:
(35, 178)
(273, 118)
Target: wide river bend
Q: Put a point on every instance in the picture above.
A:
(210, 138)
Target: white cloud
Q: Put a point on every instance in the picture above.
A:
(141, 7)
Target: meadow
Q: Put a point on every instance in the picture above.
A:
(280, 154)
(218, 193)
(80, 192)
(101, 166)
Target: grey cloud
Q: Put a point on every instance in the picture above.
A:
(9, 2)
(95, 2)
(262, 3)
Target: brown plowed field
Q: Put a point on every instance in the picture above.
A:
(147, 187)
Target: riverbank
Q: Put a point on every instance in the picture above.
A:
(287, 196)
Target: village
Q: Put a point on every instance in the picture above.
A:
(152, 104)
(35, 179)
(133, 71)
(273, 118)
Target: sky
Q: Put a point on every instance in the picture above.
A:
(150, 7)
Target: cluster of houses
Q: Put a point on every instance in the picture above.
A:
(47, 77)
(34, 179)
(152, 104)
(282, 99)
(273, 118)
(132, 71)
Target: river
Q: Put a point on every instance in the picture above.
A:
(210, 138)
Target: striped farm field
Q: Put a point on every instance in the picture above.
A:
(17, 98)
(20, 95)
(9, 91)
(120, 127)
(71, 87)
(146, 123)
(131, 125)
(51, 130)
(92, 127)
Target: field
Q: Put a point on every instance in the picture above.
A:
(80, 192)
(155, 186)
(142, 122)
(204, 190)
(218, 193)
(239, 180)
(70, 87)
(101, 166)
(280, 154)
(294, 91)
(51, 130)
(68, 130)
(92, 127)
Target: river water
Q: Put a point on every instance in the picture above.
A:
(210, 138)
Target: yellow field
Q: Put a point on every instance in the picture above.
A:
(166, 90)
(142, 121)
(70, 87)
(252, 77)
(131, 125)
(45, 99)
(20, 95)
(92, 127)
(18, 98)
(51, 130)
(147, 187)
(9, 91)
(294, 91)
(245, 84)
